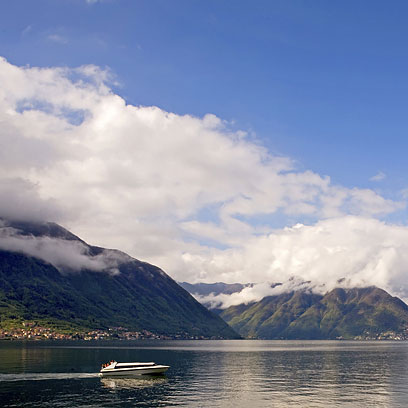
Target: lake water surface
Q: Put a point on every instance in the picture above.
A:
(206, 373)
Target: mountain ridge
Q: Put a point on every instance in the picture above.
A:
(354, 313)
(339, 314)
(131, 293)
(204, 289)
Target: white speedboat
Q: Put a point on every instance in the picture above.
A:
(131, 369)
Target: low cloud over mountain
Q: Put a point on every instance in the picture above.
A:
(67, 255)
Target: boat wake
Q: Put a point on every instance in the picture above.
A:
(45, 376)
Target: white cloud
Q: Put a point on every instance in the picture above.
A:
(97, 1)
(57, 38)
(177, 191)
(65, 255)
(340, 252)
(26, 30)
(378, 177)
(20, 200)
(255, 293)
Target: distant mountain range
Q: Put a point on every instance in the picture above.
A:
(127, 293)
(358, 313)
(204, 289)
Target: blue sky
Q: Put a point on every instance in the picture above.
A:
(200, 135)
(322, 82)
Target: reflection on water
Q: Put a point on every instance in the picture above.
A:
(132, 383)
(208, 373)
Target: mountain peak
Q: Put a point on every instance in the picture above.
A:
(41, 229)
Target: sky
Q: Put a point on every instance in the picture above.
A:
(237, 141)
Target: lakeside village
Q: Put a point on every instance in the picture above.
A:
(33, 331)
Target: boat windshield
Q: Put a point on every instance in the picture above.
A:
(109, 364)
(130, 365)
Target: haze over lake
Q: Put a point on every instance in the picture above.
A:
(235, 373)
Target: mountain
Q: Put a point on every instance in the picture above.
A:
(357, 313)
(205, 289)
(73, 283)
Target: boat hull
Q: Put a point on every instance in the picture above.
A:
(133, 372)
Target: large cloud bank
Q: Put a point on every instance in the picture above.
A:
(342, 252)
(181, 191)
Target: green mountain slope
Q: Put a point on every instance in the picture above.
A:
(342, 313)
(139, 297)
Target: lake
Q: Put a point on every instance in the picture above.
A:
(237, 373)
